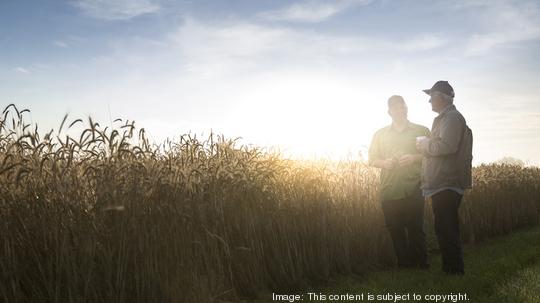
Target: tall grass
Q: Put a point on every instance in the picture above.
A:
(107, 216)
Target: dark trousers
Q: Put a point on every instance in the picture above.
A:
(445, 206)
(405, 221)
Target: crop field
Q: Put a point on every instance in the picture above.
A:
(105, 215)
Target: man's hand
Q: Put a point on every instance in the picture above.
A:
(408, 159)
(420, 142)
(388, 163)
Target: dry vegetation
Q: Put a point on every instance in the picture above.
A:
(105, 216)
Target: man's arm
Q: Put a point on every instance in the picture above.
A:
(375, 158)
(448, 141)
(409, 159)
(386, 164)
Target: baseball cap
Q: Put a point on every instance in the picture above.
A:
(441, 87)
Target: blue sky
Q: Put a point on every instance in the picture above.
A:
(309, 77)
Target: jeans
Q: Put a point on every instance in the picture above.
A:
(405, 222)
(445, 206)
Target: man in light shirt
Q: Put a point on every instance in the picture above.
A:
(393, 150)
(446, 172)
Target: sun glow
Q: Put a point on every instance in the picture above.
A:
(309, 116)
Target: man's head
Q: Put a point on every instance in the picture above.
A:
(442, 95)
(397, 109)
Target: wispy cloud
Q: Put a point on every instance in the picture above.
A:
(22, 70)
(504, 23)
(311, 11)
(42, 66)
(117, 9)
(60, 43)
(68, 41)
(234, 56)
(208, 51)
(214, 44)
(423, 42)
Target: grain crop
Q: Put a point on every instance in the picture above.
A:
(106, 215)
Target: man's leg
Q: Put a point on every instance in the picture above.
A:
(392, 210)
(415, 228)
(445, 209)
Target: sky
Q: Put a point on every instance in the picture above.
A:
(309, 78)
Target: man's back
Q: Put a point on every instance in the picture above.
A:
(448, 158)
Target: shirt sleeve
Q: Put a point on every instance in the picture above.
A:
(448, 141)
(426, 132)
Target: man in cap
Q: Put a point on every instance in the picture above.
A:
(446, 172)
(393, 150)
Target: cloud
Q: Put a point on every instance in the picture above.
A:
(239, 40)
(215, 44)
(61, 44)
(504, 23)
(423, 42)
(117, 9)
(22, 70)
(311, 11)
(201, 52)
(233, 57)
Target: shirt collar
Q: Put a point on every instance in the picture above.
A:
(448, 108)
(407, 126)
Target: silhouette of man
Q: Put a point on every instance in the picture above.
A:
(393, 150)
(446, 172)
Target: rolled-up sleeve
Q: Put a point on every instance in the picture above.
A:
(448, 141)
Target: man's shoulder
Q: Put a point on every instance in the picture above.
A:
(419, 127)
(455, 115)
(383, 130)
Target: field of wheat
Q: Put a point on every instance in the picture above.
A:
(107, 216)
